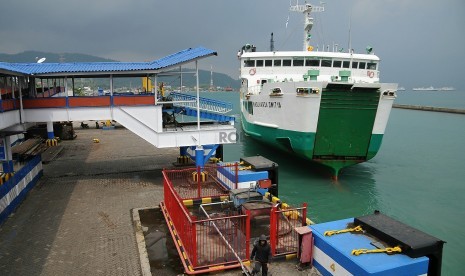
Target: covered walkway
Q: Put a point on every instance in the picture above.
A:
(27, 97)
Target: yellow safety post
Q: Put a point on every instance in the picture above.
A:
(51, 142)
(203, 176)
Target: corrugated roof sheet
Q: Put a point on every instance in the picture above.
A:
(89, 67)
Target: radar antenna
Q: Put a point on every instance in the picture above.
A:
(308, 23)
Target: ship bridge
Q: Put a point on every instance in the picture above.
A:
(34, 93)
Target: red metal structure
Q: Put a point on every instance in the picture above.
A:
(220, 239)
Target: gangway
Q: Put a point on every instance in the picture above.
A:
(206, 104)
(188, 111)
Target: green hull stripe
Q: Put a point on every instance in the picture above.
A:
(298, 142)
(375, 144)
(301, 144)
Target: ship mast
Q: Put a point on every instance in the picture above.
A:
(307, 9)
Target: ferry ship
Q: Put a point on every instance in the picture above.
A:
(425, 89)
(326, 106)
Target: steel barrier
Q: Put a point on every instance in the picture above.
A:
(182, 220)
(89, 101)
(219, 238)
(7, 105)
(205, 244)
(283, 238)
(44, 103)
(137, 100)
(86, 101)
(213, 236)
(197, 182)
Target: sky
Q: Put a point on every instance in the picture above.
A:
(420, 42)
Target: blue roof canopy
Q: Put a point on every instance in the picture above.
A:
(81, 68)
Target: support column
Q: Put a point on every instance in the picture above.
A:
(180, 85)
(21, 110)
(200, 162)
(199, 156)
(13, 87)
(111, 101)
(51, 141)
(43, 87)
(66, 89)
(7, 159)
(155, 87)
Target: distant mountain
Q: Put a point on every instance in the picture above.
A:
(219, 79)
(30, 56)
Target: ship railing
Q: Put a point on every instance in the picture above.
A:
(205, 104)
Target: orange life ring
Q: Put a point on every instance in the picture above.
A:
(252, 71)
(371, 74)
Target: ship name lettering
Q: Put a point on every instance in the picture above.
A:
(267, 104)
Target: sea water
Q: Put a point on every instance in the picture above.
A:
(417, 177)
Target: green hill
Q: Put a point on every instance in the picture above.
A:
(219, 79)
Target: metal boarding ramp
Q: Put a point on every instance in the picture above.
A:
(205, 104)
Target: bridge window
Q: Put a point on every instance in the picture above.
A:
(312, 62)
(277, 63)
(325, 63)
(371, 66)
(268, 63)
(362, 65)
(346, 64)
(249, 63)
(287, 62)
(354, 64)
(337, 63)
(298, 62)
(259, 63)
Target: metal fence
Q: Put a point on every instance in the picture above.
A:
(283, 238)
(205, 242)
(222, 240)
(212, 236)
(201, 182)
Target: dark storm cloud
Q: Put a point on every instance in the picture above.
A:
(409, 36)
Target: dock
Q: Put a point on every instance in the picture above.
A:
(430, 108)
(77, 220)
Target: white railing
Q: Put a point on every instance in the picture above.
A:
(206, 104)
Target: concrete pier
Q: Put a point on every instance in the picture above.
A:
(77, 220)
(429, 108)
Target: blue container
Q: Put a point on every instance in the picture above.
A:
(227, 175)
(332, 254)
